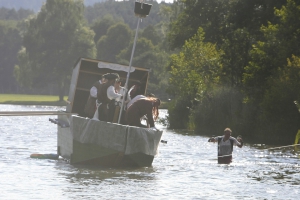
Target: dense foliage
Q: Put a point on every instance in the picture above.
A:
(256, 93)
(10, 44)
(54, 40)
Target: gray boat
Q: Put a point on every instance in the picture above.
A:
(82, 140)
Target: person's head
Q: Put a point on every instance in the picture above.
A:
(118, 83)
(117, 75)
(103, 78)
(150, 95)
(111, 78)
(227, 132)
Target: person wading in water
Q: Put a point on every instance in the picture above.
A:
(225, 146)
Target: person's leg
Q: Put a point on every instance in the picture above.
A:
(102, 112)
(224, 160)
(111, 111)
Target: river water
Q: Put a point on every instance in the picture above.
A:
(185, 168)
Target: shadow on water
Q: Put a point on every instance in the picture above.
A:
(85, 173)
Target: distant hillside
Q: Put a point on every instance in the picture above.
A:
(34, 5)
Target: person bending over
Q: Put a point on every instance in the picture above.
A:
(145, 106)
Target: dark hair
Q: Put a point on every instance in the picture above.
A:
(150, 95)
(104, 76)
(119, 80)
(155, 112)
(112, 76)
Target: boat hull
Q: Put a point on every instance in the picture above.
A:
(82, 141)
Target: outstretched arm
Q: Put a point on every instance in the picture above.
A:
(240, 143)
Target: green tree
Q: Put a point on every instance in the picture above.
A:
(10, 44)
(151, 34)
(12, 14)
(101, 26)
(270, 82)
(236, 47)
(147, 55)
(205, 13)
(56, 38)
(143, 45)
(267, 56)
(194, 72)
(116, 39)
(279, 113)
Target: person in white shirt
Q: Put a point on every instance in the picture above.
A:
(225, 146)
(119, 100)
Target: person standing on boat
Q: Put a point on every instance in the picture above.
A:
(90, 106)
(225, 146)
(145, 106)
(120, 90)
(115, 105)
(106, 94)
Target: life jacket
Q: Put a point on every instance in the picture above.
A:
(231, 142)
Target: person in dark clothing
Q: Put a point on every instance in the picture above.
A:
(106, 94)
(90, 106)
(225, 146)
(145, 106)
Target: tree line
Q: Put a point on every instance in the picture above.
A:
(53, 39)
(222, 63)
(238, 66)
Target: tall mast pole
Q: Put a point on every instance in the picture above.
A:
(141, 10)
(128, 73)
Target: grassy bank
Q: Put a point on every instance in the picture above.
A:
(22, 99)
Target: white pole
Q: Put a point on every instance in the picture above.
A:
(128, 73)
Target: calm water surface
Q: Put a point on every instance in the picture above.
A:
(186, 168)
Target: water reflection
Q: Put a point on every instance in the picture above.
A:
(79, 173)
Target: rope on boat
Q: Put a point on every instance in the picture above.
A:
(266, 149)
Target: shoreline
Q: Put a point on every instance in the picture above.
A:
(55, 103)
(38, 103)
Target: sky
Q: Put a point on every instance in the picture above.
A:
(167, 1)
(158, 1)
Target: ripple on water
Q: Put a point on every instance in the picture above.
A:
(185, 168)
